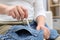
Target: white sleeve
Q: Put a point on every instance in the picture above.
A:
(39, 9)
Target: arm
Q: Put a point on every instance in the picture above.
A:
(40, 14)
(40, 22)
(2, 8)
(40, 17)
(17, 11)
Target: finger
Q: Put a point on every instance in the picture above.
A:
(9, 13)
(12, 14)
(38, 28)
(21, 12)
(47, 34)
(25, 11)
(16, 13)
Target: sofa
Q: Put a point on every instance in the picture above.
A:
(49, 19)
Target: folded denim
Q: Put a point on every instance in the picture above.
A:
(30, 33)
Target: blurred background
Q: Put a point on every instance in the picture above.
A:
(54, 6)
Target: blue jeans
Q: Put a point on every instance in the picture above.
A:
(23, 32)
(53, 33)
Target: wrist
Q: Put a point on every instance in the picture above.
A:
(3, 8)
(40, 24)
(43, 27)
(40, 27)
(40, 20)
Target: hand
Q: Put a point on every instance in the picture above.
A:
(38, 27)
(46, 31)
(18, 12)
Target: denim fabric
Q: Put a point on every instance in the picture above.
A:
(53, 33)
(23, 32)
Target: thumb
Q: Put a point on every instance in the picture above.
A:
(38, 28)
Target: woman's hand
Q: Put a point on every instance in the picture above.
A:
(40, 26)
(18, 12)
(46, 31)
